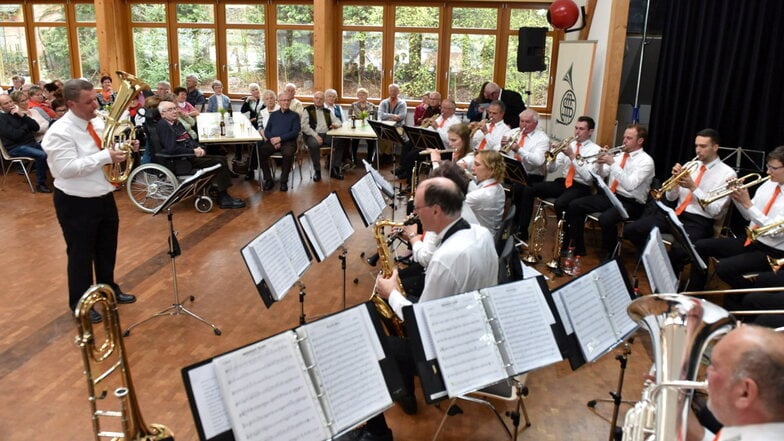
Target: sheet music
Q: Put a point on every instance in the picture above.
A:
(677, 224)
(212, 412)
(657, 265)
(368, 198)
(588, 316)
(287, 231)
(323, 233)
(464, 342)
(562, 313)
(615, 296)
(266, 253)
(346, 357)
(528, 340)
(339, 216)
(268, 392)
(380, 181)
(610, 195)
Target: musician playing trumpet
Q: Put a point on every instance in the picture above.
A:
(739, 256)
(630, 176)
(488, 136)
(708, 172)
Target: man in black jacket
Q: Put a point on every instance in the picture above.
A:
(17, 132)
(511, 99)
(175, 140)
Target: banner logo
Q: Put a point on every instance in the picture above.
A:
(568, 101)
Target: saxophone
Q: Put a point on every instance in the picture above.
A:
(555, 262)
(95, 353)
(392, 322)
(682, 327)
(539, 226)
(114, 132)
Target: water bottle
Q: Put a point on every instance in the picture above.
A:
(568, 264)
(577, 268)
(230, 126)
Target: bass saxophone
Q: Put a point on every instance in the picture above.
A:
(392, 322)
(111, 353)
(118, 134)
(681, 328)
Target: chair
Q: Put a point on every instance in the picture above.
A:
(510, 266)
(507, 229)
(25, 162)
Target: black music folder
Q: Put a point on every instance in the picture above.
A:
(592, 308)
(326, 226)
(368, 199)
(465, 342)
(313, 382)
(424, 138)
(515, 171)
(386, 132)
(276, 259)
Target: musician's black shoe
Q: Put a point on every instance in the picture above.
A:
(268, 184)
(284, 186)
(362, 434)
(95, 317)
(125, 298)
(317, 176)
(43, 188)
(227, 201)
(336, 174)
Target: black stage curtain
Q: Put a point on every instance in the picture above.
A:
(721, 66)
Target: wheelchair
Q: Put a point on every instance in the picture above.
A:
(151, 183)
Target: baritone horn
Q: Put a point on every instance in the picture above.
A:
(551, 154)
(687, 169)
(108, 354)
(728, 187)
(117, 134)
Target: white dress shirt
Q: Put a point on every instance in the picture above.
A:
(500, 129)
(634, 179)
(757, 217)
(752, 432)
(75, 161)
(423, 250)
(582, 172)
(716, 174)
(531, 154)
(442, 127)
(466, 261)
(486, 200)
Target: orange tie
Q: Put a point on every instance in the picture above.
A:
(623, 164)
(687, 199)
(483, 144)
(766, 210)
(443, 121)
(520, 143)
(94, 134)
(718, 435)
(570, 173)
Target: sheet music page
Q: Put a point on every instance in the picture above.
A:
(286, 228)
(346, 360)
(615, 296)
(339, 217)
(424, 333)
(268, 392)
(588, 316)
(676, 223)
(365, 192)
(527, 337)
(379, 180)
(252, 261)
(657, 265)
(278, 272)
(464, 342)
(212, 412)
(322, 230)
(610, 195)
(562, 313)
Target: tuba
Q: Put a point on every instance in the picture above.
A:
(111, 353)
(392, 322)
(681, 329)
(117, 134)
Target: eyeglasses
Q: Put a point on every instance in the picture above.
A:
(773, 168)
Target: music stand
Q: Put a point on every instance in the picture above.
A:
(515, 172)
(386, 132)
(188, 187)
(424, 138)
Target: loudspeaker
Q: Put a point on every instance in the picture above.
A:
(530, 50)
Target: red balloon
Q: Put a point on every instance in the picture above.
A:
(563, 14)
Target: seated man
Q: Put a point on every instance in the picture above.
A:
(316, 122)
(175, 140)
(281, 132)
(17, 131)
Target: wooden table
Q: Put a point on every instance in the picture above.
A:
(359, 131)
(209, 130)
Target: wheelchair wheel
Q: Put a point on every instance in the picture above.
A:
(203, 204)
(149, 185)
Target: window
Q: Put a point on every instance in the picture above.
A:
(472, 51)
(540, 84)
(416, 50)
(295, 47)
(362, 49)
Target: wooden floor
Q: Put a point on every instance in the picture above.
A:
(44, 391)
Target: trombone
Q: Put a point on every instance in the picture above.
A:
(728, 187)
(551, 154)
(687, 169)
(581, 160)
(768, 230)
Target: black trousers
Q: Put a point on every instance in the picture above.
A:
(288, 149)
(523, 200)
(757, 301)
(315, 150)
(223, 178)
(90, 227)
(608, 220)
(697, 227)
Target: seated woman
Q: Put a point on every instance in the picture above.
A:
(486, 197)
(459, 136)
(218, 100)
(181, 98)
(20, 99)
(107, 95)
(357, 107)
(252, 104)
(269, 105)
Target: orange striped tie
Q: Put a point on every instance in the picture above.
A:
(766, 210)
(623, 164)
(570, 173)
(483, 144)
(94, 134)
(687, 199)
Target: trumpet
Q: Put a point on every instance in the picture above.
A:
(775, 264)
(427, 122)
(768, 230)
(477, 125)
(512, 140)
(551, 154)
(687, 169)
(581, 160)
(728, 187)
